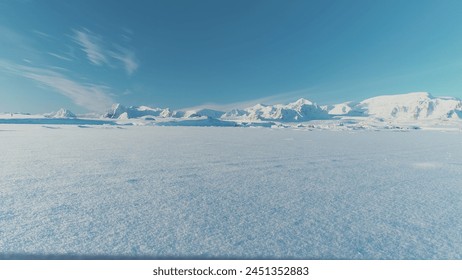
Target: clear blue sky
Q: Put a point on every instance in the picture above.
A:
(87, 54)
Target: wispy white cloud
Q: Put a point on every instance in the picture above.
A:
(127, 58)
(62, 57)
(90, 96)
(42, 34)
(99, 53)
(127, 34)
(127, 92)
(283, 98)
(92, 45)
(17, 41)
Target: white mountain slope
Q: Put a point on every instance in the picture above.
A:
(203, 113)
(235, 113)
(120, 111)
(411, 106)
(414, 106)
(61, 114)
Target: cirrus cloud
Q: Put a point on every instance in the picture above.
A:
(93, 97)
(98, 52)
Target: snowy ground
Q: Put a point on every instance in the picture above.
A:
(70, 191)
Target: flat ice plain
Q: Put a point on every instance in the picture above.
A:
(70, 191)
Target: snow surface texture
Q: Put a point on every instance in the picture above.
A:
(111, 191)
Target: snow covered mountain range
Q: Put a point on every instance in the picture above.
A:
(411, 109)
(405, 107)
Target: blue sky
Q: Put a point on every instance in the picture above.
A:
(85, 55)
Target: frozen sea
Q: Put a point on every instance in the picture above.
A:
(108, 191)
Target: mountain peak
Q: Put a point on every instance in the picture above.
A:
(115, 111)
(62, 114)
(302, 101)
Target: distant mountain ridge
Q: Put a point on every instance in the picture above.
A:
(418, 110)
(120, 111)
(301, 110)
(298, 111)
(401, 107)
(402, 111)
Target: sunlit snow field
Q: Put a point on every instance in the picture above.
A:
(71, 191)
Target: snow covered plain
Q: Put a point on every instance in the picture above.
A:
(109, 191)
